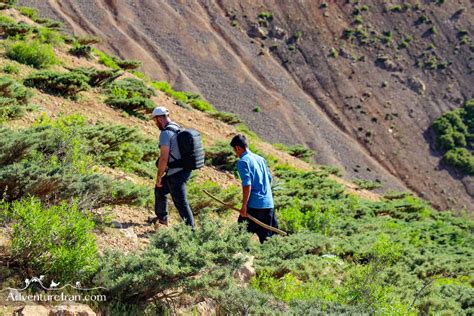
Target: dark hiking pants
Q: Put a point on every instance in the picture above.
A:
(266, 216)
(175, 185)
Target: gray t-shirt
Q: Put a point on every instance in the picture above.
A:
(168, 138)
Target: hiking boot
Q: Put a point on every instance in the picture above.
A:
(159, 224)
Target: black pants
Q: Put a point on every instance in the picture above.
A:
(266, 216)
(174, 184)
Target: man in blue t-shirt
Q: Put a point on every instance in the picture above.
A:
(257, 193)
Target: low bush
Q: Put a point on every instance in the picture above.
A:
(298, 151)
(29, 12)
(56, 241)
(19, 30)
(221, 156)
(11, 69)
(178, 261)
(104, 59)
(127, 64)
(13, 98)
(194, 100)
(455, 137)
(81, 51)
(49, 36)
(53, 161)
(96, 77)
(229, 118)
(130, 88)
(31, 53)
(67, 84)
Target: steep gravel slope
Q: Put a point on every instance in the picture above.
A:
(361, 105)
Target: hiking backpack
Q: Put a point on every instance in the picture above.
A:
(190, 146)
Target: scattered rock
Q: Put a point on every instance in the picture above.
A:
(72, 309)
(129, 233)
(278, 33)
(116, 224)
(257, 31)
(33, 310)
(246, 272)
(415, 84)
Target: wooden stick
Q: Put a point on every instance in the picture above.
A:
(253, 219)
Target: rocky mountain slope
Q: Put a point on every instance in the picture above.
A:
(359, 82)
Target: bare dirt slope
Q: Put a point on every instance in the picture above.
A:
(369, 118)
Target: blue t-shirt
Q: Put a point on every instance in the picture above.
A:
(253, 170)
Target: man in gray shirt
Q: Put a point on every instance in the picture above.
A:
(170, 180)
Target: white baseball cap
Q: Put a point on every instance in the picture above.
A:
(159, 111)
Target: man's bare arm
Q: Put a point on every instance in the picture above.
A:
(162, 164)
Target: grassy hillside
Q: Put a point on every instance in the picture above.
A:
(76, 180)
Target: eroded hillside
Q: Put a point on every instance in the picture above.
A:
(358, 82)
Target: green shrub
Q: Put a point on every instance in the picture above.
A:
(17, 30)
(56, 241)
(367, 185)
(29, 12)
(52, 160)
(32, 53)
(49, 36)
(229, 118)
(201, 203)
(202, 105)
(298, 151)
(177, 261)
(49, 23)
(13, 98)
(127, 64)
(221, 156)
(103, 58)
(96, 77)
(460, 158)
(11, 69)
(130, 88)
(67, 84)
(88, 40)
(454, 137)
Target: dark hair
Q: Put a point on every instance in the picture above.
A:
(239, 140)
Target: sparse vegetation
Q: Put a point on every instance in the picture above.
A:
(31, 53)
(67, 84)
(454, 137)
(13, 98)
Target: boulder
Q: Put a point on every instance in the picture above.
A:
(72, 309)
(246, 272)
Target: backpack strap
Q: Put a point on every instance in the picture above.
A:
(175, 128)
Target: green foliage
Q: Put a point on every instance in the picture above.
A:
(29, 12)
(119, 146)
(130, 88)
(31, 53)
(201, 203)
(395, 8)
(221, 156)
(67, 84)
(455, 137)
(367, 185)
(56, 241)
(194, 100)
(53, 161)
(13, 29)
(103, 58)
(298, 151)
(11, 69)
(97, 77)
(265, 15)
(127, 64)
(179, 261)
(13, 98)
(131, 95)
(229, 118)
(49, 36)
